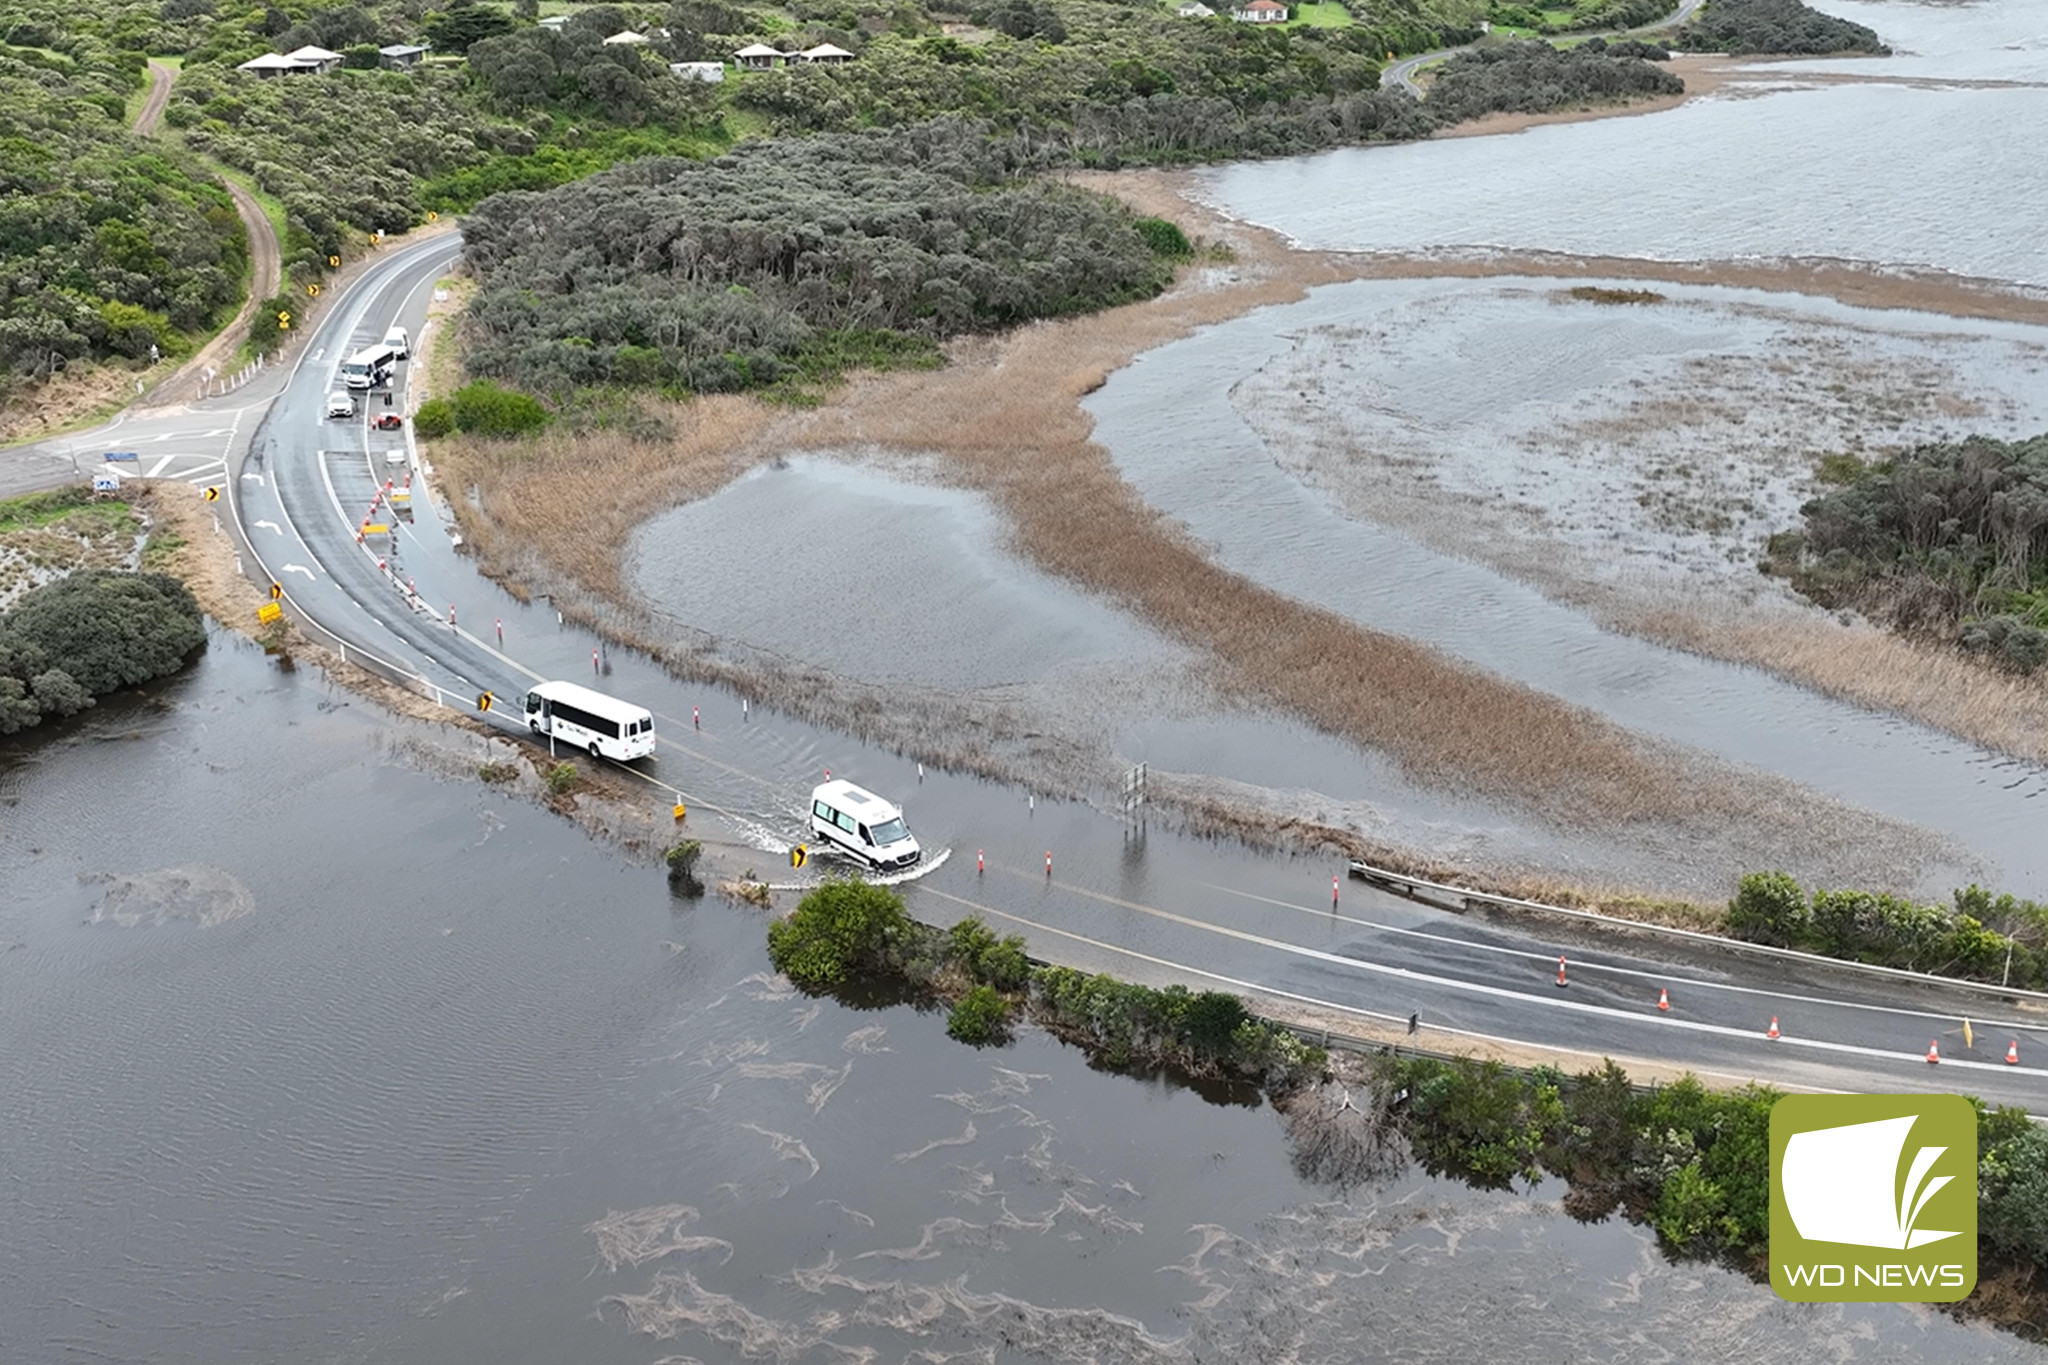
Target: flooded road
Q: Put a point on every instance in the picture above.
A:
(374, 1064)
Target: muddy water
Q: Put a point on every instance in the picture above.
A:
(1170, 424)
(873, 576)
(377, 1065)
(1651, 448)
(1887, 174)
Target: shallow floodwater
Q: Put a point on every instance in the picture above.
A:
(1936, 178)
(371, 1065)
(1169, 423)
(957, 614)
(1649, 449)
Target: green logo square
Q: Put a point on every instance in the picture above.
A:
(1873, 1198)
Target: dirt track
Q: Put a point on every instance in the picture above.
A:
(160, 80)
(264, 254)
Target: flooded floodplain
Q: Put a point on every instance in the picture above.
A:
(407, 1068)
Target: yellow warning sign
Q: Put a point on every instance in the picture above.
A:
(484, 700)
(284, 321)
(212, 495)
(433, 217)
(313, 290)
(377, 528)
(681, 811)
(276, 590)
(799, 855)
(333, 261)
(269, 612)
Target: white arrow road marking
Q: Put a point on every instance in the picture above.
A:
(257, 477)
(317, 354)
(299, 568)
(272, 526)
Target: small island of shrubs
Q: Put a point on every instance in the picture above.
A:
(97, 631)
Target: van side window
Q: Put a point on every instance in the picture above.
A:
(865, 837)
(846, 822)
(822, 811)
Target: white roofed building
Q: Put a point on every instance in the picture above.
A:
(759, 56)
(825, 52)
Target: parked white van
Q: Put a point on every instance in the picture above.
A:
(398, 343)
(864, 825)
(368, 368)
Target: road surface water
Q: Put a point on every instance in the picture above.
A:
(373, 1062)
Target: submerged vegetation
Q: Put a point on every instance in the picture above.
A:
(1947, 540)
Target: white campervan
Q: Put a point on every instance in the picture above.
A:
(398, 343)
(864, 825)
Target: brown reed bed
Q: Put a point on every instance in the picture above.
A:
(557, 514)
(1930, 683)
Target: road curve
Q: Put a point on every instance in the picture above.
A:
(1160, 908)
(1402, 73)
(161, 78)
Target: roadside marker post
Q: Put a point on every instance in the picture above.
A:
(501, 630)
(980, 867)
(1333, 893)
(1048, 862)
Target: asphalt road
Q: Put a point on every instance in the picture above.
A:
(1162, 907)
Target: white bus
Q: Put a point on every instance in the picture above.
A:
(369, 367)
(864, 825)
(606, 726)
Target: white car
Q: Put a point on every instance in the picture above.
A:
(341, 404)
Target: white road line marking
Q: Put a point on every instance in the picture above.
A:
(257, 477)
(158, 467)
(1590, 965)
(299, 568)
(1631, 1017)
(272, 526)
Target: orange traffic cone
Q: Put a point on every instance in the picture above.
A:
(2012, 1054)
(1933, 1052)
(1560, 974)
(1772, 1032)
(1663, 998)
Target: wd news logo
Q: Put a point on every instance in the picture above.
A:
(1873, 1198)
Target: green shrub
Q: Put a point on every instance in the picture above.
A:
(268, 329)
(108, 629)
(484, 409)
(561, 778)
(843, 929)
(1769, 907)
(991, 961)
(498, 774)
(434, 420)
(1165, 238)
(979, 1017)
(682, 867)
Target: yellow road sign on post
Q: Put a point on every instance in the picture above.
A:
(276, 590)
(799, 855)
(377, 528)
(212, 495)
(682, 812)
(433, 217)
(313, 291)
(484, 700)
(269, 612)
(333, 261)
(284, 321)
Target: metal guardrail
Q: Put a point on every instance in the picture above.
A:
(1465, 898)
